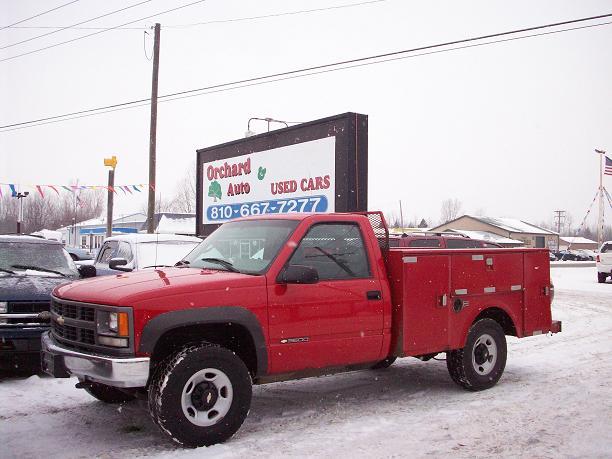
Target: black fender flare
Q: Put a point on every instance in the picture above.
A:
(156, 327)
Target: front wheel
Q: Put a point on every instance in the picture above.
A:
(480, 364)
(601, 277)
(201, 395)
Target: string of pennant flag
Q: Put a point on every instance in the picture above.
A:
(13, 188)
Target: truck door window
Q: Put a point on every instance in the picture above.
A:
(336, 251)
(124, 251)
(462, 244)
(107, 252)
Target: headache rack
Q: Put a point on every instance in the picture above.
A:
(379, 225)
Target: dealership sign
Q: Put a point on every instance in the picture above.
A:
(270, 182)
(320, 166)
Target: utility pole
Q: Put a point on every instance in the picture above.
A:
(112, 163)
(153, 132)
(401, 216)
(559, 216)
(600, 220)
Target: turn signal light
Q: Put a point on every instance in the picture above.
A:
(123, 324)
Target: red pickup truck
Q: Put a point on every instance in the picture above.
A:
(280, 297)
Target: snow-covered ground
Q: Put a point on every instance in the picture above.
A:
(554, 400)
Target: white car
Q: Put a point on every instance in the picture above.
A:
(604, 262)
(131, 252)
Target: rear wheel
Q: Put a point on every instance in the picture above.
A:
(480, 364)
(107, 394)
(201, 395)
(601, 277)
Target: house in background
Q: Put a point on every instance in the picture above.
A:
(577, 243)
(518, 230)
(91, 233)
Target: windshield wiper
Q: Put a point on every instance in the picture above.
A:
(336, 260)
(4, 270)
(181, 263)
(226, 264)
(38, 268)
(157, 266)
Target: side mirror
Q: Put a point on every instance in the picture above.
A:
(298, 274)
(119, 264)
(87, 271)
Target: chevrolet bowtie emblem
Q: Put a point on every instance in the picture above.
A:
(60, 320)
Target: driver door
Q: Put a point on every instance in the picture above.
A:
(336, 321)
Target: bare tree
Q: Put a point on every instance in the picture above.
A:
(450, 210)
(51, 211)
(184, 199)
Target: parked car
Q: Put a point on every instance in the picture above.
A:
(587, 255)
(30, 267)
(439, 241)
(604, 262)
(568, 255)
(552, 256)
(132, 252)
(78, 254)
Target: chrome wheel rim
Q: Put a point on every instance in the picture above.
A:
(484, 355)
(207, 397)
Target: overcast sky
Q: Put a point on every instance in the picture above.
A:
(509, 129)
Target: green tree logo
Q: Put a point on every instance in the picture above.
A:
(261, 173)
(214, 191)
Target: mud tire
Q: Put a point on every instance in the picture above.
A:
(169, 383)
(463, 364)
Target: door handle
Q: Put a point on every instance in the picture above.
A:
(374, 295)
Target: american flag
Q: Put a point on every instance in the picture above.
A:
(608, 169)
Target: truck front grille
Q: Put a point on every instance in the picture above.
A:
(74, 311)
(73, 324)
(28, 314)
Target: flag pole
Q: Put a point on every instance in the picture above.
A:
(600, 222)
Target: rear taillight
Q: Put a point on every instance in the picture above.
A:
(597, 259)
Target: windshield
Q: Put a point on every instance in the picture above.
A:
(246, 246)
(35, 259)
(165, 253)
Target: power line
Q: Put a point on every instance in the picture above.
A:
(309, 71)
(101, 31)
(73, 25)
(221, 21)
(272, 15)
(38, 15)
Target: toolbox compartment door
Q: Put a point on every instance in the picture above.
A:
(426, 303)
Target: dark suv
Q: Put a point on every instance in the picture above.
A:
(439, 241)
(30, 267)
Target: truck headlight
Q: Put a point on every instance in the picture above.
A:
(113, 328)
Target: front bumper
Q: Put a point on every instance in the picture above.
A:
(112, 371)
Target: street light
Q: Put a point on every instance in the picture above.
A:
(20, 197)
